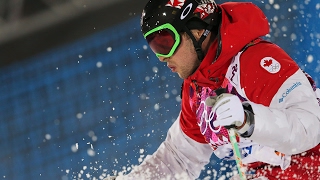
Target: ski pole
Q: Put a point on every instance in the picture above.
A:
(233, 141)
(236, 152)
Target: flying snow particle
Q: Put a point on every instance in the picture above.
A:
(109, 49)
(48, 136)
(79, 115)
(141, 151)
(74, 147)
(293, 37)
(284, 28)
(310, 58)
(276, 6)
(112, 119)
(174, 91)
(94, 138)
(99, 64)
(155, 69)
(88, 175)
(267, 7)
(90, 133)
(156, 107)
(140, 160)
(143, 96)
(91, 152)
(209, 171)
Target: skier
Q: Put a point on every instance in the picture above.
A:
(269, 101)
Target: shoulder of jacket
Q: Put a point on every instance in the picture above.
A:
(264, 67)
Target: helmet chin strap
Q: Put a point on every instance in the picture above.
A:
(197, 44)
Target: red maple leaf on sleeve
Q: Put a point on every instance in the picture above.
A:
(267, 63)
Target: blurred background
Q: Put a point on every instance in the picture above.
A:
(82, 96)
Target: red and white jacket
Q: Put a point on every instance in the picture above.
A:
(285, 103)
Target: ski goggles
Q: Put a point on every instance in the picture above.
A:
(163, 40)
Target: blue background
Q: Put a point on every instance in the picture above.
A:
(100, 104)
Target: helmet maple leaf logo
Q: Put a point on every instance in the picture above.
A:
(175, 3)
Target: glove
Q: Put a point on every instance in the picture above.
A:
(228, 109)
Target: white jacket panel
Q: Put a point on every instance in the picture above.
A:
(295, 116)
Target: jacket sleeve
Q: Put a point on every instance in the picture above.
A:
(286, 111)
(178, 157)
(291, 123)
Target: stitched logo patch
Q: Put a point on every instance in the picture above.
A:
(270, 64)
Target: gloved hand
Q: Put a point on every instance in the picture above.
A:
(228, 109)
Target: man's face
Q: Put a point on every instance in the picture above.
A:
(184, 61)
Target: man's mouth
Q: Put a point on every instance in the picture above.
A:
(173, 68)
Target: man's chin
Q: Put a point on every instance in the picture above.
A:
(182, 76)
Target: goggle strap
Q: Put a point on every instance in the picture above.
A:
(208, 29)
(196, 44)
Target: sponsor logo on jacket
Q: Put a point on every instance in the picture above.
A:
(288, 91)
